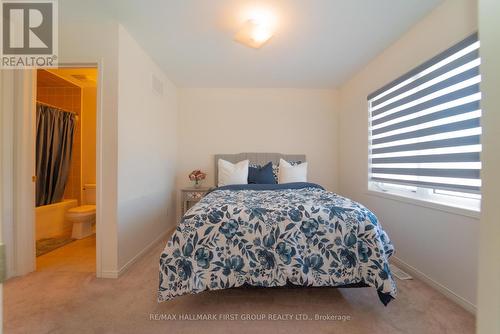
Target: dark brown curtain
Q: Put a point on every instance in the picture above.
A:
(55, 129)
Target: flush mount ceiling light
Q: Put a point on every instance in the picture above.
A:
(258, 28)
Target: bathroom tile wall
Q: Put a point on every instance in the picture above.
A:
(67, 96)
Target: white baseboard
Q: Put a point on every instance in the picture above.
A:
(441, 288)
(109, 274)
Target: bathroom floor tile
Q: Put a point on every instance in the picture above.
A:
(78, 256)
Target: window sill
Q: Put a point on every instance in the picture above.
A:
(426, 204)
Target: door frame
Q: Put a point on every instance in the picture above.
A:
(17, 162)
(20, 237)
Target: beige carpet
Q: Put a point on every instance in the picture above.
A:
(72, 302)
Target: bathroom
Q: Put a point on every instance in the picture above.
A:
(65, 177)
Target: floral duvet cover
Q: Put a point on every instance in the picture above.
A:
(274, 235)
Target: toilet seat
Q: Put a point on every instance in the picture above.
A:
(83, 209)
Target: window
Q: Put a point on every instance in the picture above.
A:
(425, 130)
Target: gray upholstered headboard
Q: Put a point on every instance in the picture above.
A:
(255, 158)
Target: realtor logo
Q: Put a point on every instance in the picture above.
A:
(28, 34)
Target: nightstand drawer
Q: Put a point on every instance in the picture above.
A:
(194, 195)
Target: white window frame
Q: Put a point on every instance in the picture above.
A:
(455, 204)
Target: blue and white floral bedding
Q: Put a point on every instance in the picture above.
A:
(274, 235)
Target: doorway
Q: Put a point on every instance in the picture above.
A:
(65, 169)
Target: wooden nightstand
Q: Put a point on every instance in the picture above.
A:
(189, 196)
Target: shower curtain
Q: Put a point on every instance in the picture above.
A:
(54, 146)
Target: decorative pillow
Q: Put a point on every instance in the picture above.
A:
(261, 175)
(276, 168)
(232, 173)
(289, 173)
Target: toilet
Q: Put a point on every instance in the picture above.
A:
(83, 217)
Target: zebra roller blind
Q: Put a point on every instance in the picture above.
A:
(425, 126)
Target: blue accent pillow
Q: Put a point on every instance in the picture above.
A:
(261, 175)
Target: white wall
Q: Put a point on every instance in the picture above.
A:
(258, 120)
(147, 150)
(440, 245)
(489, 260)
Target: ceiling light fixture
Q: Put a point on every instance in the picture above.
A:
(257, 29)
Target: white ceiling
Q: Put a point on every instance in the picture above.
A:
(318, 44)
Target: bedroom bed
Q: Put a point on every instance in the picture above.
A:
(272, 235)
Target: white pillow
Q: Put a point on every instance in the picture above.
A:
(288, 173)
(232, 173)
